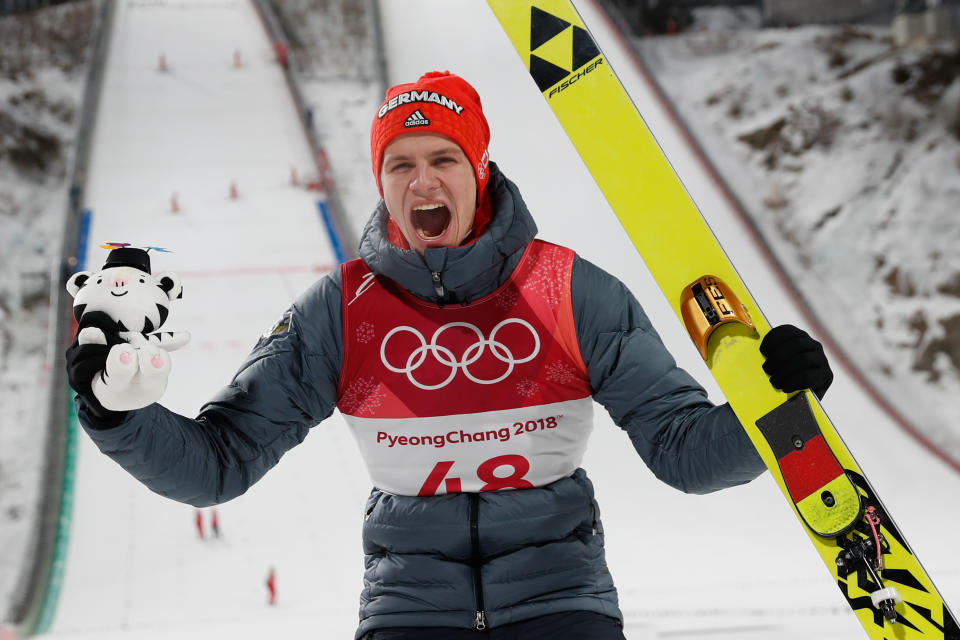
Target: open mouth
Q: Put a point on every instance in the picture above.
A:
(430, 220)
(114, 293)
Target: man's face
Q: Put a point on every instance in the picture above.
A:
(430, 190)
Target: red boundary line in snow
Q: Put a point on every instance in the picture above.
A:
(257, 271)
(767, 253)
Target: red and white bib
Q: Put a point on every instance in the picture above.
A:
(489, 396)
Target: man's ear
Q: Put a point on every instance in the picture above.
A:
(170, 282)
(77, 281)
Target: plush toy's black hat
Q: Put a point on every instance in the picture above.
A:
(128, 257)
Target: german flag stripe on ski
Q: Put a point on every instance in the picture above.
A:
(815, 471)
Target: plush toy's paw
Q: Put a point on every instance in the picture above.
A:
(176, 340)
(91, 335)
(166, 340)
(120, 368)
(154, 367)
(134, 377)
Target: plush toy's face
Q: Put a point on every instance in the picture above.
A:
(135, 299)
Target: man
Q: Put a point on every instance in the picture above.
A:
(465, 355)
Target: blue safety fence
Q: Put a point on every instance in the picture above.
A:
(83, 235)
(335, 241)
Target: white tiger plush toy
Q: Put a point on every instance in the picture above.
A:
(137, 368)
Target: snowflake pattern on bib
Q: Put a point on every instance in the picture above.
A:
(560, 372)
(527, 387)
(363, 397)
(365, 332)
(543, 278)
(507, 298)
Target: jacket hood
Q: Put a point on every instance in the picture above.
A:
(466, 273)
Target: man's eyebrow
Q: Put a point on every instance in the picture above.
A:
(452, 149)
(445, 150)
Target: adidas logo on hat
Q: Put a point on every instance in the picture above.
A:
(416, 119)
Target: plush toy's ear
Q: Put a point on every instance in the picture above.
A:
(170, 282)
(76, 282)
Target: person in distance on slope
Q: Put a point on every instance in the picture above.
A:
(465, 355)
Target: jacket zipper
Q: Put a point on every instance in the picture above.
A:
(480, 623)
(437, 284)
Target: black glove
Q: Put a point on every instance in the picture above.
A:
(86, 361)
(795, 361)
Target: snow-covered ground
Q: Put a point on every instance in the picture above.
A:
(42, 69)
(846, 153)
(686, 566)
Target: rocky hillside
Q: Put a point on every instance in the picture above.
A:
(846, 152)
(42, 65)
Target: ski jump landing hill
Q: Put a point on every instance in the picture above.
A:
(686, 566)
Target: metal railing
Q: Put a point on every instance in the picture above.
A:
(8, 7)
(343, 238)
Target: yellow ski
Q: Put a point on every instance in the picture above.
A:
(862, 548)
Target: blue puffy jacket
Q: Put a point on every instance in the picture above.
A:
(458, 559)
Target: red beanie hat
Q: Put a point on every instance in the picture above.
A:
(439, 102)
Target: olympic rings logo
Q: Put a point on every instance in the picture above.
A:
(445, 356)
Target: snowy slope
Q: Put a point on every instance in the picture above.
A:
(686, 566)
(42, 69)
(840, 147)
(134, 561)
